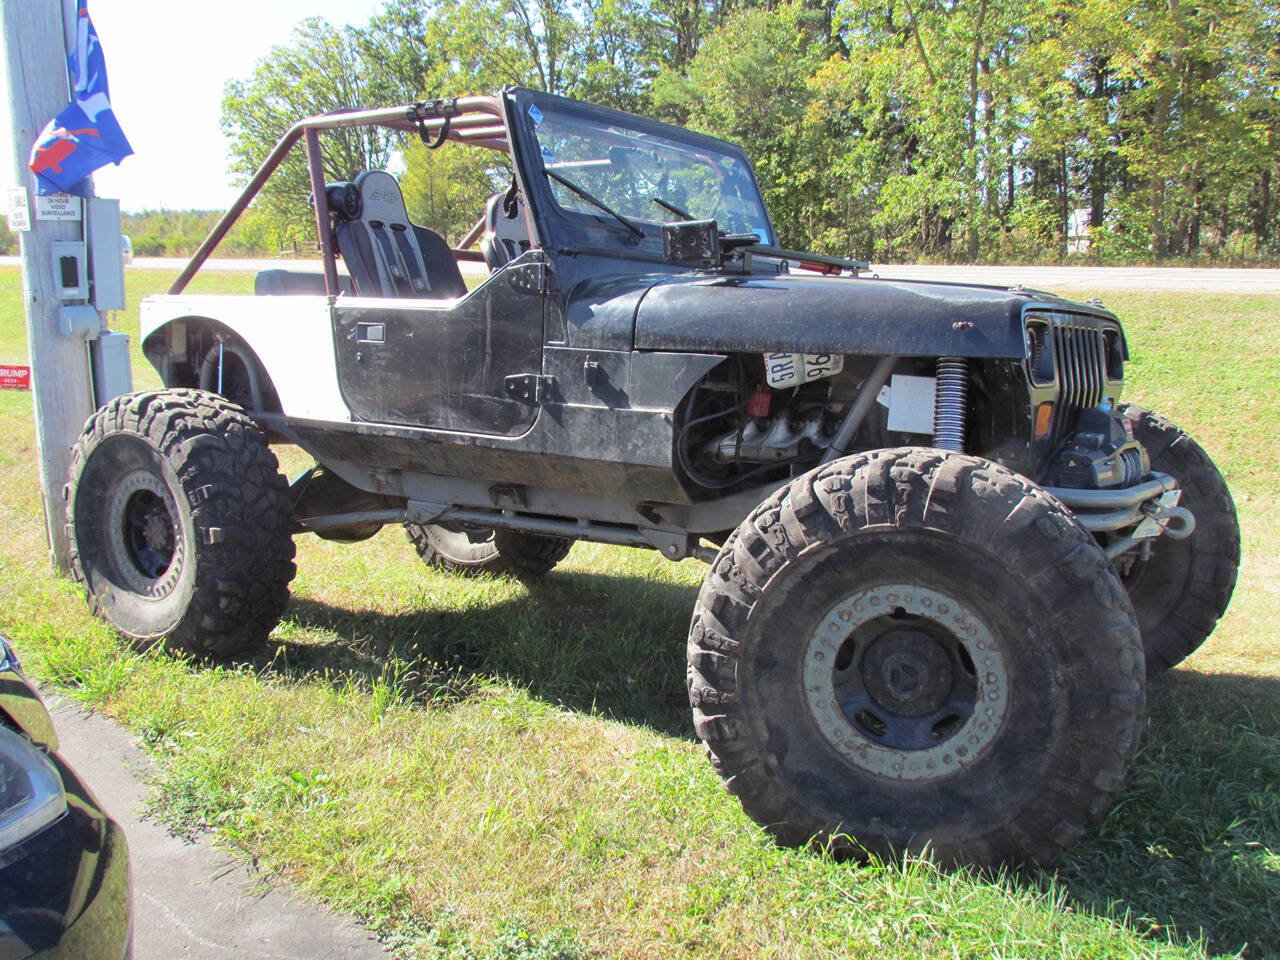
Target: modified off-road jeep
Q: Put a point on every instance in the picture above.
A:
(943, 554)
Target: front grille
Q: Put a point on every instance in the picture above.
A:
(1080, 360)
(1074, 362)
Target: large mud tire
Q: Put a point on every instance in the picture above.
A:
(1039, 611)
(499, 553)
(1180, 592)
(180, 524)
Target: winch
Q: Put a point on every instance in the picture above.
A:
(1100, 454)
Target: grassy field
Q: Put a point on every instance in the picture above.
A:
(489, 770)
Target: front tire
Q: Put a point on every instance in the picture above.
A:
(471, 551)
(1181, 590)
(179, 523)
(911, 649)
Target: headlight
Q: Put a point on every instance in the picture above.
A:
(1040, 354)
(31, 794)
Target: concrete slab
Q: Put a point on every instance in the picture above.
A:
(190, 900)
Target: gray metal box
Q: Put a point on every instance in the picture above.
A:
(112, 374)
(106, 253)
(70, 280)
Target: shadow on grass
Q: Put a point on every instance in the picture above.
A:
(607, 645)
(1191, 847)
(1193, 842)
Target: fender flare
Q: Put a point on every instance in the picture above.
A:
(156, 347)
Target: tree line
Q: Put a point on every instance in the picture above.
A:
(963, 130)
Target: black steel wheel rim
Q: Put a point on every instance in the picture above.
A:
(149, 534)
(906, 682)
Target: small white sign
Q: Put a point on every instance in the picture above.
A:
(58, 206)
(17, 209)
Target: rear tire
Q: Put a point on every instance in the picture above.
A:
(179, 523)
(474, 552)
(1180, 592)
(910, 649)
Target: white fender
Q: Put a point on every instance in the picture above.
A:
(292, 336)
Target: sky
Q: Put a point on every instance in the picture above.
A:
(167, 63)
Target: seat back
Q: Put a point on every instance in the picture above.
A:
(385, 254)
(505, 237)
(294, 283)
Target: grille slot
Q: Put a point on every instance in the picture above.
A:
(1081, 364)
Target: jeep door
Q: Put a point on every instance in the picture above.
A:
(445, 364)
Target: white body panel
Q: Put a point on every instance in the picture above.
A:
(292, 336)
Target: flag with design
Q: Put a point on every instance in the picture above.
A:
(86, 134)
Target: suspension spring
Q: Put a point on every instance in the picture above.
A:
(950, 403)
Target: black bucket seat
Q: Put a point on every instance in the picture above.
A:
(386, 255)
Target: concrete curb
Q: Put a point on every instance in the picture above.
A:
(190, 900)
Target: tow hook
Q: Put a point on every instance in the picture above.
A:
(1163, 515)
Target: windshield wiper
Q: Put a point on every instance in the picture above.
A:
(682, 214)
(596, 202)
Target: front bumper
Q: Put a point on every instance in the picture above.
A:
(1133, 514)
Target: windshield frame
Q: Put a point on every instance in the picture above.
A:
(568, 230)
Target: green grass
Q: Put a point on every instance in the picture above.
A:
(482, 769)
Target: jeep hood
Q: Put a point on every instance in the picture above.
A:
(804, 314)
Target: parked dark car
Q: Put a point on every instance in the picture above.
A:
(65, 889)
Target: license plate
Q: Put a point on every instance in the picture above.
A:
(793, 369)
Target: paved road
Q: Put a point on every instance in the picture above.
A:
(1066, 279)
(1182, 279)
(189, 900)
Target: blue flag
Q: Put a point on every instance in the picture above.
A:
(85, 135)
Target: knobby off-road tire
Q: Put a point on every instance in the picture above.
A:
(1183, 588)
(493, 552)
(179, 523)
(942, 605)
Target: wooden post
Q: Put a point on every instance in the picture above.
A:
(61, 381)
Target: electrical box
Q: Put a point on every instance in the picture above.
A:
(112, 374)
(70, 276)
(106, 253)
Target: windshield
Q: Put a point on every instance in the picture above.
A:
(638, 178)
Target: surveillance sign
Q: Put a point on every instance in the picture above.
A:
(57, 206)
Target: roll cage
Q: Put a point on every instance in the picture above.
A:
(473, 120)
(477, 121)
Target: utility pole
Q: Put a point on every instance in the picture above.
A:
(35, 62)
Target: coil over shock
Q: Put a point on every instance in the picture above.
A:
(950, 399)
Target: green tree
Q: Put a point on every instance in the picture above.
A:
(749, 83)
(446, 189)
(320, 70)
(940, 129)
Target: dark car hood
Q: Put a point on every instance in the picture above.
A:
(807, 314)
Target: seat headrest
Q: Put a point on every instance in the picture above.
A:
(380, 198)
(506, 237)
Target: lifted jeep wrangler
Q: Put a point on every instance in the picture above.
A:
(943, 553)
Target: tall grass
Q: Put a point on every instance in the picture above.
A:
(479, 768)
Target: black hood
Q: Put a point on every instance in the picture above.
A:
(808, 314)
